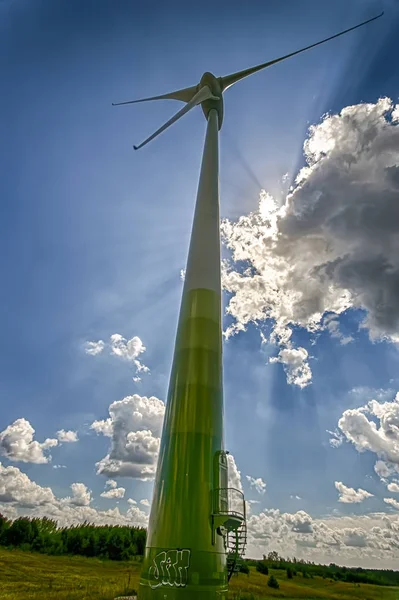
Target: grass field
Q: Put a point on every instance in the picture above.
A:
(28, 576)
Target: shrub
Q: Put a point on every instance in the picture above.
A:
(289, 573)
(273, 583)
(244, 568)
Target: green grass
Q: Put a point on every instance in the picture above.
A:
(255, 587)
(29, 576)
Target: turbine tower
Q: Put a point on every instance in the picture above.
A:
(197, 529)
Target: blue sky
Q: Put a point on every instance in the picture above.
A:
(94, 236)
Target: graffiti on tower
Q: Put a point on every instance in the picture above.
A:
(170, 568)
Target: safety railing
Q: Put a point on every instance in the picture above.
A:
(228, 501)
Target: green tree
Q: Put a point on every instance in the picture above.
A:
(4, 526)
(273, 583)
(20, 532)
(273, 556)
(290, 574)
(262, 567)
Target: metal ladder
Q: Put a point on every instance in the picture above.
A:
(235, 546)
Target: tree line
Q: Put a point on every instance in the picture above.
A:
(117, 542)
(112, 542)
(295, 567)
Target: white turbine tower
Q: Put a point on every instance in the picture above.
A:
(197, 523)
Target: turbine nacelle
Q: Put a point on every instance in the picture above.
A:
(209, 91)
(215, 84)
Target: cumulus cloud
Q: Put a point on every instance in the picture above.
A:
(295, 365)
(349, 495)
(129, 350)
(134, 427)
(145, 502)
(112, 490)
(355, 537)
(16, 487)
(384, 469)
(392, 502)
(393, 487)
(104, 426)
(356, 540)
(17, 443)
(20, 496)
(375, 427)
(117, 492)
(333, 244)
(234, 474)
(81, 495)
(258, 484)
(300, 522)
(67, 436)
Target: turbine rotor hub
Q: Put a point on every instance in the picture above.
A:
(214, 85)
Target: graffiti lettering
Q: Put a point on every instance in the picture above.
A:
(170, 568)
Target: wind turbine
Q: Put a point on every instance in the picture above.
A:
(197, 523)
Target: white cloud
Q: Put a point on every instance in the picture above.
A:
(111, 483)
(295, 365)
(134, 426)
(393, 487)
(258, 484)
(131, 501)
(384, 469)
(16, 487)
(375, 427)
(348, 495)
(114, 493)
(17, 444)
(234, 482)
(300, 522)
(20, 496)
(234, 474)
(67, 436)
(94, 348)
(135, 458)
(392, 502)
(81, 495)
(355, 540)
(336, 440)
(105, 427)
(333, 245)
(331, 324)
(145, 502)
(129, 350)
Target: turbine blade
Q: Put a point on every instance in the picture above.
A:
(203, 94)
(184, 95)
(229, 80)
